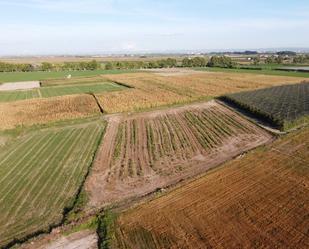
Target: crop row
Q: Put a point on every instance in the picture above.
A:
(40, 176)
(145, 144)
(278, 105)
(263, 197)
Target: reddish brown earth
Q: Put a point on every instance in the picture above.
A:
(143, 152)
(258, 201)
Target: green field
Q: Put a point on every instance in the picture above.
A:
(7, 96)
(79, 89)
(28, 76)
(265, 71)
(41, 174)
(47, 92)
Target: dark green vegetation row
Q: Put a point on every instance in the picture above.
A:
(41, 175)
(283, 106)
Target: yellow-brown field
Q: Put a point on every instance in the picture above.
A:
(39, 111)
(153, 90)
(257, 201)
(150, 90)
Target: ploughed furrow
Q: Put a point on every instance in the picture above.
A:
(41, 178)
(154, 149)
(260, 201)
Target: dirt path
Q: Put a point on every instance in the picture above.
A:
(19, 85)
(80, 240)
(165, 147)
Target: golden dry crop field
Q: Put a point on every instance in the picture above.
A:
(150, 90)
(41, 111)
(154, 90)
(256, 201)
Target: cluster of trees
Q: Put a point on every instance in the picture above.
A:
(301, 59)
(8, 67)
(164, 63)
(194, 62)
(70, 66)
(221, 61)
(274, 60)
(46, 66)
(288, 53)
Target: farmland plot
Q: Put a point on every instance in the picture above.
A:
(47, 92)
(258, 201)
(41, 173)
(9, 96)
(54, 91)
(152, 90)
(283, 106)
(146, 151)
(42, 111)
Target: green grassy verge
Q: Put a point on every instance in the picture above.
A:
(79, 89)
(29, 76)
(265, 71)
(106, 229)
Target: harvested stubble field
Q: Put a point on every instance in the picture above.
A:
(152, 90)
(41, 173)
(40, 111)
(283, 106)
(258, 201)
(146, 151)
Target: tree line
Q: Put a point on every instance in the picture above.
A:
(47, 66)
(214, 61)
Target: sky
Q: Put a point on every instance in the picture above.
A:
(47, 27)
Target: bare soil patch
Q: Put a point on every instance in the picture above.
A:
(146, 151)
(25, 85)
(172, 71)
(86, 239)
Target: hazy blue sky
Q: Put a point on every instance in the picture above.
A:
(94, 26)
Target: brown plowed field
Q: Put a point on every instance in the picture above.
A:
(152, 90)
(258, 201)
(146, 151)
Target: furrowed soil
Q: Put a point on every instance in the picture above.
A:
(167, 88)
(143, 152)
(257, 201)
